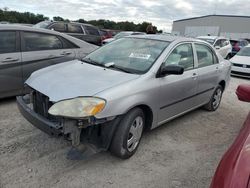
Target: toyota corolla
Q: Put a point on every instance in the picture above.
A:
(124, 88)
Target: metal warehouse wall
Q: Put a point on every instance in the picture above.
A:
(228, 26)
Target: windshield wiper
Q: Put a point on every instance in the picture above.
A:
(91, 61)
(112, 65)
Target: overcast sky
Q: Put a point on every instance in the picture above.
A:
(160, 12)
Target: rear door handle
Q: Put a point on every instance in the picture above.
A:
(66, 53)
(217, 69)
(9, 60)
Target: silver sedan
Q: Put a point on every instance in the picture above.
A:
(123, 88)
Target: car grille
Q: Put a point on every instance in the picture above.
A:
(41, 105)
(241, 65)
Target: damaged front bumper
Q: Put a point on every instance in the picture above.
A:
(90, 131)
(37, 120)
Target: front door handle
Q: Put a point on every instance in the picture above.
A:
(9, 60)
(194, 76)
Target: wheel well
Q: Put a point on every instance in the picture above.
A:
(223, 84)
(148, 116)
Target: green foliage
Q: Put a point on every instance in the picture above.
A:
(58, 18)
(123, 26)
(30, 18)
(18, 17)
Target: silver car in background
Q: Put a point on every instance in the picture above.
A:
(241, 63)
(221, 44)
(125, 87)
(25, 49)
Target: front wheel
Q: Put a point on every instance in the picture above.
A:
(127, 137)
(215, 100)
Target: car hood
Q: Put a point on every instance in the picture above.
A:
(241, 59)
(75, 78)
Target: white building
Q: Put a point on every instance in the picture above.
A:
(220, 25)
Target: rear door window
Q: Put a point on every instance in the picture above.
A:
(39, 41)
(74, 28)
(205, 55)
(223, 42)
(7, 42)
(218, 43)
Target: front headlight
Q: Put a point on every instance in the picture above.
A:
(78, 107)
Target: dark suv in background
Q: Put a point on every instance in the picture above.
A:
(86, 32)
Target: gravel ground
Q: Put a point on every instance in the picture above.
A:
(183, 153)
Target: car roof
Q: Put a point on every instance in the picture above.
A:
(51, 21)
(13, 27)
(26, 28)
(163, 37)
(211, 37)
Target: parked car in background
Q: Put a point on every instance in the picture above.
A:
(25, 49)
(233, 170)
(85, 32)
(122, 34)
(4, 22)
(221, 44)
(241, 63)
(238, 45)
(106, 34)
(133, 84)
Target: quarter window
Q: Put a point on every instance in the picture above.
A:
(39, 41)
(7, 41)
(181, 55)
(204, 55)
(67, 44)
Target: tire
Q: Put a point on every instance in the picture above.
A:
(229, 56)
(128, 134)
(215, 100)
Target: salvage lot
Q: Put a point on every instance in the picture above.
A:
(183, 153)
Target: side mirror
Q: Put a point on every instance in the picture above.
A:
(243, 92)
(171, 69)
(217, 47)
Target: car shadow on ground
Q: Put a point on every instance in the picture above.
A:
(7, 100)
(240, 77)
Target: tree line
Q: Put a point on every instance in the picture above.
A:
(31, 18)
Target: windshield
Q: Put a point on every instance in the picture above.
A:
(43, 24)
(244, 52)
(122, 34)
(130, 54)
(211, 41)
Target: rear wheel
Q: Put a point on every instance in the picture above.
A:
(128, 134)
(215, 100)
